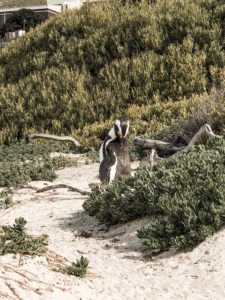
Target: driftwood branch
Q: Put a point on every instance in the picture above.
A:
(204, 129)
(50, 187)
(155, 145)
(60, 186)
(69, 139)
(56, 138)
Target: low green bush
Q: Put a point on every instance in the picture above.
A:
(184, 193)
(14, 239)
(22, 162)
(78, 268)
(5, 200)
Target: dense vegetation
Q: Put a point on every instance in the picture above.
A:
(22, 162)
(80, 68)
(185, 195)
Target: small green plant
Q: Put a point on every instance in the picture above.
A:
(78, 268)
(14, 239)
(5, 200)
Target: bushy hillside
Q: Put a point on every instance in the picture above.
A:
(21, 3)
(84, 66)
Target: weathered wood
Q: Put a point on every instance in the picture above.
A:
(62, 139)
(205, 129)
(152, 156)
(166, 146)
(61, 186)
(56, 138)
(170, 147)
(156, 144)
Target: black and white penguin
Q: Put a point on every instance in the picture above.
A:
(113, 154)
(118, 132)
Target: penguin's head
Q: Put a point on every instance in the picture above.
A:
(121, 128)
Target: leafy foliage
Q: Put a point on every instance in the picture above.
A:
(22, 162)
(152, 120)
(83, 66)
(78, 268)
(185, 194)
(14, 239)
(5, 200)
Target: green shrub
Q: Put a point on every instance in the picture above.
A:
(79, 268)
(185, 193)
(5, 200)
(20, 163)
(81, 67)
(14, 239)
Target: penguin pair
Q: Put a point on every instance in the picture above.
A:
(113, 154)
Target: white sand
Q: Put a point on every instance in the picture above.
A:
(117, 268)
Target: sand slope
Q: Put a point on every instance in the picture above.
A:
(117, 270)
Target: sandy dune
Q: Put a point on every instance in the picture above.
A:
(118, 268)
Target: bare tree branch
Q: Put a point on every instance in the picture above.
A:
(48, 188)
(156, 144)
(56, 138)
(61, 186)
(166, 146)
(204, 129)
(61, 138)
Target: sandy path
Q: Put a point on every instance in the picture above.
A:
(117, 267)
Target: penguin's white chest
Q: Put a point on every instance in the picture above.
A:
(101, 154)
(112, 170)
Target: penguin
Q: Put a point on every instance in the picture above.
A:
(107, 169)
(118, 132)
(113, 154)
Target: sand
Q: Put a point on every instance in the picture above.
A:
(118, 267)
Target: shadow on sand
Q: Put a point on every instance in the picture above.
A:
(122, 237)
